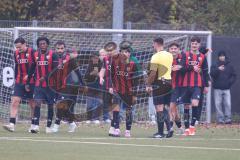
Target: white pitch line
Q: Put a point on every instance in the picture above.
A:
(122, 138)
(121, 144)
(103, 138)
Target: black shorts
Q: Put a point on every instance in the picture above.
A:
(163, 99)
(44, 94)
(176, 95)
(162, 92)
(189, 93)
(127, 99)
(19, 91)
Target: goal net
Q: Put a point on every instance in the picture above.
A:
(6, 71)
(87, 41)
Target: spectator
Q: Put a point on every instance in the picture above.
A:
(105, 95)
(223, 77)
(93, 97)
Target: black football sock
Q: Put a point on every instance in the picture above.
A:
(194, 115)
(186, 118)
(112, 123)
(171, 124)
(116, 119)
(178, 123)
(32, 121)
(160, 122)
(57, 121)
(12, 120)
(167, 119)
(129, 119)
(37, 115)
(50, 115)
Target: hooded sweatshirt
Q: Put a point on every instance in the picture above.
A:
(223, 79)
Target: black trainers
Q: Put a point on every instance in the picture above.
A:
(170, 134)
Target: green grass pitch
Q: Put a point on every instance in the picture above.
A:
(91, 142)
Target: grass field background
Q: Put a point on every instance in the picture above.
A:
(91, 142)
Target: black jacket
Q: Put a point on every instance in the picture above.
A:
(93, 80)
(223, 79)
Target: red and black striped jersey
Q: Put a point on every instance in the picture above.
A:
(23, 62)
(192, 78)
(43, 67)
(107, 62)
(122, 74)
(177, 76)
(62, 72)
(63, 66)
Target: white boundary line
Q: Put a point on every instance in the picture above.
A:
(122, 138)
(120, 144)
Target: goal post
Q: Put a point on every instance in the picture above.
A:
(85, 40)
